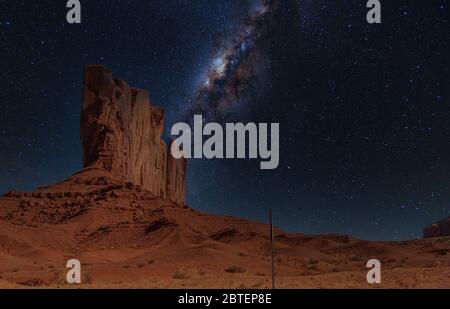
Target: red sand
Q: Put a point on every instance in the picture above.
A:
(126, 237)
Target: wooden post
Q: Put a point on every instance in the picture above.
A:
(272, 247)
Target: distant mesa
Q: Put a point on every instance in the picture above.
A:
(121, 133)
(438, 229)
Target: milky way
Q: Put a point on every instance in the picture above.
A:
(236, 64)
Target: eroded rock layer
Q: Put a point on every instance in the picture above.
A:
(121, 133)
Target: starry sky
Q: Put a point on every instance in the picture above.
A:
(364, 110)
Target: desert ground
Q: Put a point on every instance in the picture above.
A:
(125, 237)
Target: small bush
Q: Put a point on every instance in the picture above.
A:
(201, 272)
(181, 274)
(87, 279)
(312, 261)
(235, 270)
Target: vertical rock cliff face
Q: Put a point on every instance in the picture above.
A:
(121, 133)
(176, 171)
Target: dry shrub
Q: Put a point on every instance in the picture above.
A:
(235, 270)
(182, 273)
(87, 278)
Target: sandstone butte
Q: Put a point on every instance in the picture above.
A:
(121, 132)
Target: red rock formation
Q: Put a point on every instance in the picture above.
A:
(439, 229)
(121, 133)
(176, 171)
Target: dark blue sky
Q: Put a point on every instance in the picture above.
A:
(364, 109)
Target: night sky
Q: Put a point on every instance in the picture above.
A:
(364, 110)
